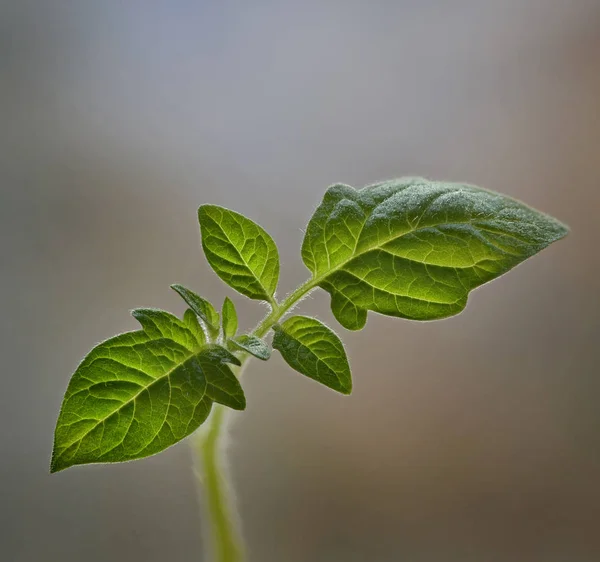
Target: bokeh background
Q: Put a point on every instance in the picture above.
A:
(466, 440)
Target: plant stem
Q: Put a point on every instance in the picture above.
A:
(227, 544)
(283, 308)
(225, 536)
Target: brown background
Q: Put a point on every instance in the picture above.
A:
(468, 440)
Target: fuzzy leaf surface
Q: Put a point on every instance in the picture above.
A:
(240, 252)
(313, 349)
(253, 345)
(414, 248)
(204, 309)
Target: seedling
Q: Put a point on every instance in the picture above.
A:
(409, 248)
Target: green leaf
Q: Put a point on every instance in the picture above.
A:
(413, 248)
(229, 318)
(205, 311)
(313, 349)
(190, 319)
(141, 392)
(222, 385)
(241, 253)
(253, 345)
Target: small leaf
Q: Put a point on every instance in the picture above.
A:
(253, 345)
(313, 349)
(205, 311)
(222, 385)
(191, 321)
(413, 248)
(140, 392)
(240, 252)
(218, 354)
(229, 318)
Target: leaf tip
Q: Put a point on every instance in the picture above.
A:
(556, 229)
(137, 313)
(562, 229)
(204, 210)
(180, 290)
(56, 465)
(345, 386)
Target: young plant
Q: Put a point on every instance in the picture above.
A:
(409, 248)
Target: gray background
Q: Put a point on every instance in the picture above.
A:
(471, 439)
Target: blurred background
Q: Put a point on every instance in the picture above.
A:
(466, 440)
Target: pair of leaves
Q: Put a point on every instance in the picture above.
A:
(409, 248)
(244, 256)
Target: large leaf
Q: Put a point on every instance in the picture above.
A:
(241, 252)
(313, 349)
(414, 248)
(140, 392)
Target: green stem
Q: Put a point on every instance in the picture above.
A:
(225, 536)
(278, 311)
(226, 541)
